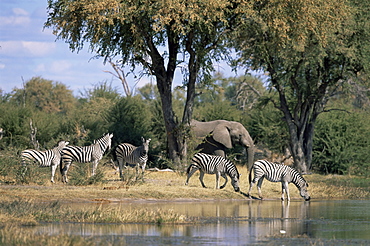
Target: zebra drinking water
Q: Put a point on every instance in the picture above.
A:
(47, 158)
(129, 154)
(92, 153)
(277, 173)
(213, 164)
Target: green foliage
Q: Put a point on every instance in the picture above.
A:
(101, 90)
(341, 143)
(44, 95)
(15, 122)
(130, 119)
(267, 128)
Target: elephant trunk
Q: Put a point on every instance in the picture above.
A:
(250, 152)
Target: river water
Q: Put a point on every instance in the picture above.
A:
(250, 222)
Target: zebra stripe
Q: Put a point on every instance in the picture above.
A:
(92, 153)
(214, 164)
(277, 173)
(45, 158)
(129, 154)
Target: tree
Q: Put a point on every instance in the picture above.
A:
(309, 49)
(157, 35)
(45, 95)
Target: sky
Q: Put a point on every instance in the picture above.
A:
(28, 50)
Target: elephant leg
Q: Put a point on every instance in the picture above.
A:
(217, 180)
(201, 178)
(225, 177)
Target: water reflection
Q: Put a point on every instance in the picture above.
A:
(235, 222)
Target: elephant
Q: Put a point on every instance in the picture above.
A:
(219, 135)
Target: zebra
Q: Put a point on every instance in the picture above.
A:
(91, 153)
(213, 164)
(277, 173)
(47, 158)
(128, 153)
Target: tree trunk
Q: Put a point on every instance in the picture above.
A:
(164, 76)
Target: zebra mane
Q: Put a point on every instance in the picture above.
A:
(232, 168)
(298, 181)
(103, 141)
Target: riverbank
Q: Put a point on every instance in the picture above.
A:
(34, 203)
(166, 185)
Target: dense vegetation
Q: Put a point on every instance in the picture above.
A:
(340, 144)
(308, 49)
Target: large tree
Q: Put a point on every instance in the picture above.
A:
(157, 35)
(310, 50)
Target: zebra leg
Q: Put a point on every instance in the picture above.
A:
(201, 178)
(191, 170)
(285, 189)
(53, 168)
(143, 167)
(259, 184)
(120, 166)
(251, 184)
(225, 177)
(94, 166)
(65, 171)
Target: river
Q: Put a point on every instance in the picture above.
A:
(249, 222)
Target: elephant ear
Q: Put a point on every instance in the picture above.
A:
(221, 134)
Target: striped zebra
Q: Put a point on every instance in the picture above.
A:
(129, 154)
(277, 173)
(47, 158)
(92, 153)
(214, 164)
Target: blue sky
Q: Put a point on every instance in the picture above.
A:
(28, 50)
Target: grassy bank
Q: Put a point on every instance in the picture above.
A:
(170, 186)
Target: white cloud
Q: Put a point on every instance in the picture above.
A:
(2, 66)
(60, 66)
(26, 48)
(19, 17)
(40, 68)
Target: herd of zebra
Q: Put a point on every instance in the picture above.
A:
(125, 153)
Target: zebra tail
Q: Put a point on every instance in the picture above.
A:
(189, 168)
(61, 165)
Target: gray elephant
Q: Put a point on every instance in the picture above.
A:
(219, 135)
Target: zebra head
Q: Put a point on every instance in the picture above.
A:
(235, 182)
(104, 142)
(304, 193)
(62, 144)
(145, 145)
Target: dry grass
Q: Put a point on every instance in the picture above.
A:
(171, 185)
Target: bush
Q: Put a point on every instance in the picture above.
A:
(341, 143)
